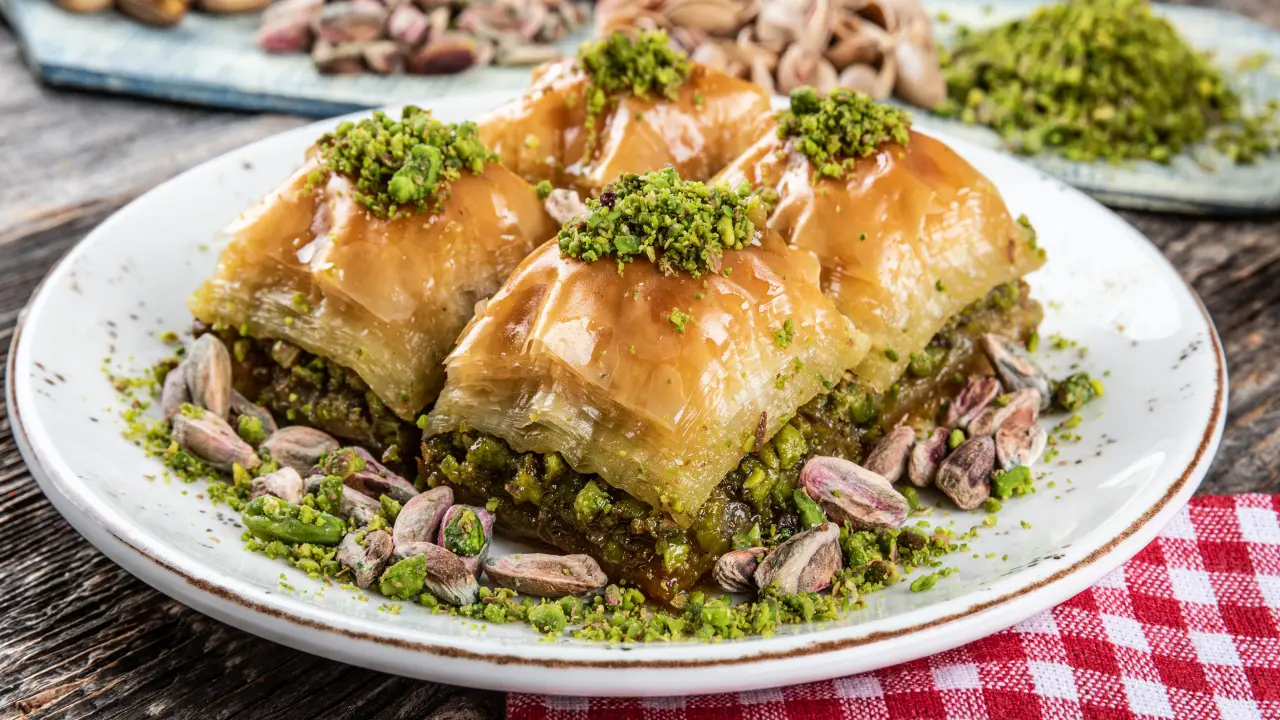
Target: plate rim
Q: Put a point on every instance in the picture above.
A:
(1065, 582)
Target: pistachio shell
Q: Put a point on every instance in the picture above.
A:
(211, 439)
(1015, 367)
(853, 494)
(175, 392)
(889, 457)
(1023, 404)
(240, 405)
(284, 483)
(299, 447)
(546, 575)
(420, 517)
(806, 562)
(208, 367)
(926, 457)
(977, 394)
(1020, 443)
(735, 570)
(448, 578)
(368, 561)
(965, 476)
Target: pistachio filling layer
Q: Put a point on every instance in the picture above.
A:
(300, 388)
(540, 496)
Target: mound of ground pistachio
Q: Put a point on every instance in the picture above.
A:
(835, 129)
(1099, 80)
(680, 225)
(402, 166)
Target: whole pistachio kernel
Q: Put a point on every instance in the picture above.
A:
(679, 225)
(464, 535)
(1098, 80)
(402, 166)
(836, 129)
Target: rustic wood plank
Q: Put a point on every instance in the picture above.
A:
(82, 638)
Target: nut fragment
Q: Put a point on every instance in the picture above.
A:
(853, 494)
(1023, 404)
(407, 25)
(450, 53)
(965, 476)
(211, 439)
(384, 57)
(231, 6)
(354, 506)
(160, 13)
(977, 394)
(208, 367)
(175, 393)
(806, 562)
(1020, 443)
(926, 456)
(889, 458)
(368, 561)
(298, 447)
(338, 59)
(1015, 367)
(448, 578)
(84, 6)
(284, 483)
(735, 570)
(544, 575)
(240, 405)
(564, 205)
(375, 479)
(420, 517)
(345, 22)
(286, 28)
(466, 531)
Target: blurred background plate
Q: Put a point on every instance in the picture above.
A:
(214, 60)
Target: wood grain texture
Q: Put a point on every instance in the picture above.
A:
(80, 637)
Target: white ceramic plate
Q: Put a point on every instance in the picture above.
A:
(1145, 447)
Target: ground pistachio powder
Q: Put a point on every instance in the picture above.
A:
(1098, 80)
(835, 129)
(402, 166)
(679, 225)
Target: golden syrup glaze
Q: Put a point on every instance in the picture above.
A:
(542, 135)
(386, 298)
(907, 239)
(577, 358)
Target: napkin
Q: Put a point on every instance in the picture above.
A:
(1189, 628)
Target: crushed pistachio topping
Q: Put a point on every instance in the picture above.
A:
(642, 66)
(836, 129)
(676, 224)
(1098, 80)
(402, 166)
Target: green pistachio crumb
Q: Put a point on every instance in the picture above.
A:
(955, 439)
(543, 188)
(1099, 80)
(676, 224)
(785, 334)
(621, 64)
(836, 129)
(251, 430)
(678, 319)
(406, 165)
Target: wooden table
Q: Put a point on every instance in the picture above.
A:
(80, 637)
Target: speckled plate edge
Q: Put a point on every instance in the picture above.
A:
(600, 670)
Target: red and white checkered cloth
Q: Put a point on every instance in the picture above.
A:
(1190, 628)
